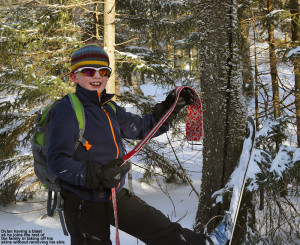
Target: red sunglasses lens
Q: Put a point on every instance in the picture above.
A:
(104, 73)
(90, 72)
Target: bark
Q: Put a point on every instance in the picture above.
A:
(96, 21)
(273, 63)
(261, 189)
(152, 41)
(255, 69)
(109, 41)
(244, 15)
(136, 75)
(224, 104)
(295, 39)
(170, 51)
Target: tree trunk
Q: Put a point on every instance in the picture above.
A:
(136, 75)
(96, 21)
(295, 40)
(274, 76)
(152, 42)
(261, 189)
(223, 102)
(109, 41)
(244, 27)
(273, 63)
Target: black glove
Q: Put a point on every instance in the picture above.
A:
(93, 177)
(113, 173)
(107, 176)
(186, 97)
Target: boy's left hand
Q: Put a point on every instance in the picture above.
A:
(186, 97)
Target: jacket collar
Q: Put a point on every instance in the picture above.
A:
(91, 96)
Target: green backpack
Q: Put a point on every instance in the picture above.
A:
(40, 148)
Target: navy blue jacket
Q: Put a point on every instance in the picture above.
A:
(104, 130)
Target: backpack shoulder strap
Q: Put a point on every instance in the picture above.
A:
(79, 111)
(78, 108)
(112, 106)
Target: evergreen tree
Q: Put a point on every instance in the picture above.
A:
(278, 171)
(155, 39)
(275, 186)
(155, 42)
(37, 40)
(295, 29)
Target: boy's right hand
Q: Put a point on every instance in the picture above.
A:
(113, 172)
(108, 176)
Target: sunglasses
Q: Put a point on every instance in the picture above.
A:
(91, 71)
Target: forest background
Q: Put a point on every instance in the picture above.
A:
(241, 56)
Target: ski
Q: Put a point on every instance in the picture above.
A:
(242, 169)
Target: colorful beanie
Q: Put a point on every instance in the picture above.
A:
(90, 54)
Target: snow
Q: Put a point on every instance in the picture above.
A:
(293, 52)
(29, 221)
(236, 178)
(279, 164)
(296, 155)
(274, 12)
(10, 98)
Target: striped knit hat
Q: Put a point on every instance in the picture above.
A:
(90, 54)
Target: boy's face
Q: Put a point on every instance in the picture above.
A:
(95, 82)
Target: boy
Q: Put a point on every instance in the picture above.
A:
(88, 174)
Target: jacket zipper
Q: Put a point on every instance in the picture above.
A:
(111, 127)
(112, 131)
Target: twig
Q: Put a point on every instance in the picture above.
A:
(182, 217)
(166, 193)
(182, 169)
